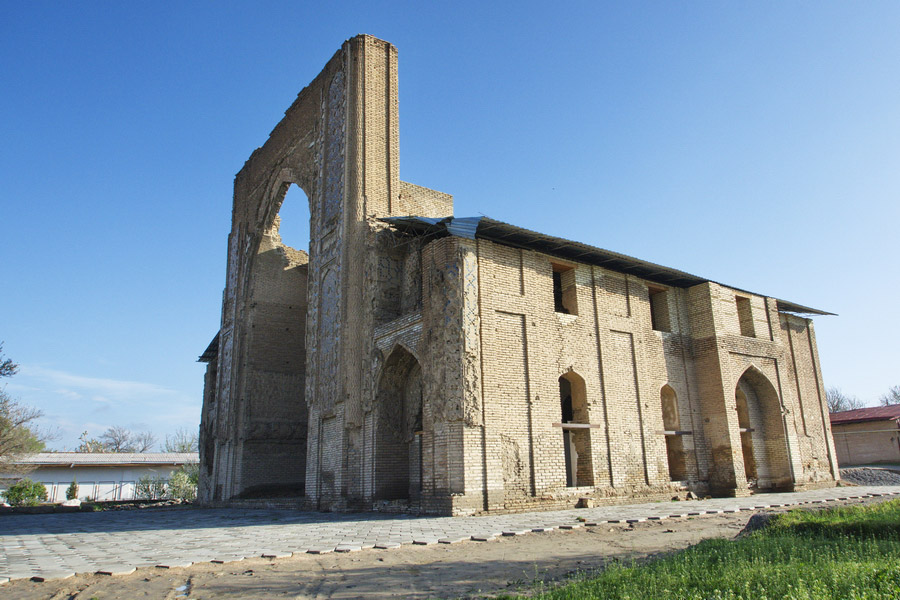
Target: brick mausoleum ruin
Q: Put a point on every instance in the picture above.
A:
(417, 361)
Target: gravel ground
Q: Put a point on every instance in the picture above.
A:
(871, 476)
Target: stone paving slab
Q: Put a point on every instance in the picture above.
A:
(57, 545)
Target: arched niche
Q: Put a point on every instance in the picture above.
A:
(675, 452)
(763, 440)
(275, 429)
(398, 434)
(576, 430)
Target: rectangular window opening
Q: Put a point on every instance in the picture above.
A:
(745, 316)
(659, 309)
(565, 297)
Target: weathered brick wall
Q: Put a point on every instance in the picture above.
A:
(274, 420)
(808, 412)
(494, 342)
(422, 202)
(527, 346)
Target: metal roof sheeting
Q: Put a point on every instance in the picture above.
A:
(860, 415)
(212, 351)
(510, 235)
(109, 459)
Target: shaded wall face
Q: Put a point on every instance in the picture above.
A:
(275, 426)
(398, 445)
(769, 446)
(806, 400)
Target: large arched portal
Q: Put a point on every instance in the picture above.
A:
(398, 439)
(273, 459)
(763, 441)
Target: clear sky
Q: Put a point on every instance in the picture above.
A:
(756, 144)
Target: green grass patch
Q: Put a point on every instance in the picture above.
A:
(840, 553)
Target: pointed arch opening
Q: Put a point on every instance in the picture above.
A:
(293, 217)
(763, 441)
(275, 429)
(675, 452)
(576, 430)
(399, 425)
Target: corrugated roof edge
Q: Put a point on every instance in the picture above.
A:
(871, 413)
(212, 351)
(510, 235)
(109, 458)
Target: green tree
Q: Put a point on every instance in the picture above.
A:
(89, 445)
(26, 492)
(151, 488)
(72, 490)
(182, 486)
(18, 436)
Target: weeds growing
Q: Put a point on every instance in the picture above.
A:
(840, 553)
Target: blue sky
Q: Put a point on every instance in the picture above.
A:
(757, 144)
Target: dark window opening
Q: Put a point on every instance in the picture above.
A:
(659, 309)
(745, 316)
(565, 297)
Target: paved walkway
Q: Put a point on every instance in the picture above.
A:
(118, 542)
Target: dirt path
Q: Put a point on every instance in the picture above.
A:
(467, 569)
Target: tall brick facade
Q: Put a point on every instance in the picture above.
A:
(414, 361)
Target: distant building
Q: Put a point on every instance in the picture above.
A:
(415, 360)
(106, 476)
(867, 435)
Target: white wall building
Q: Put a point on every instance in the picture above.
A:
(106, 476)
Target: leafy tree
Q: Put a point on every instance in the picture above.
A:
(26, 492)
(182, 441)
(7, 367)
(182, 486)
(151, 488)
(18, 436)
(72, 490)
(89, 445)
(838, 401)
(892, 397)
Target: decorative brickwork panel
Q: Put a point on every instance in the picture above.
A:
(614, 289)
(332, 199)
(509, 404)
(625, 415)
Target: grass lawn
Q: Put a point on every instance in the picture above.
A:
(842, 553)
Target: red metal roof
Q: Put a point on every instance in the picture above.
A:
(876, 413)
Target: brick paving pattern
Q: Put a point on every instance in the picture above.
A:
(118, 542)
